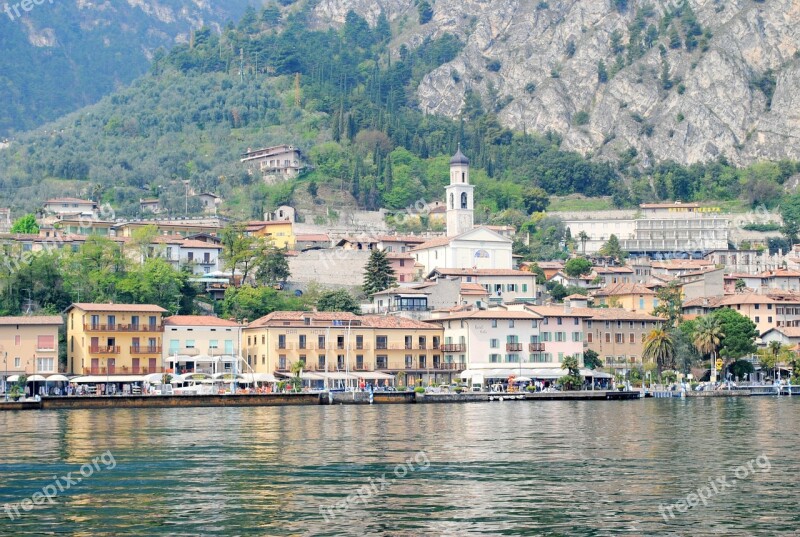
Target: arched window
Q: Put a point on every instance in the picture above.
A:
(452, 201)
(463, 200)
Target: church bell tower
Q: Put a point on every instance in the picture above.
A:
(459, 196)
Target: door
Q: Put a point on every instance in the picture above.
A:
(95, 366)
(151, 365)
(112, 366)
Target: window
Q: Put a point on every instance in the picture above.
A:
(16, 362)
(758, 319)
(45, 343)
(228, 346)
(545, 336)
(512, 358)
(409, 361)
(321, 362)
(588, 337)
(359, 342)
(769, 319)
(577, 336)
(534, 324)
(189, 343)
(608, 337)
(494, 358)
(494, 323)
(282, 341)
(381, 342)
(494, 343)
(559, 321)
(576, 321)
(112, 322)
(321, 342)
(213, 344)
(135, 322)
(173, 346)
(45, 365)
(560, 357)
(382, 361)
(619, 338)
(302, 341)
(511, 323)
(524, 287)
(632, 338)
(282, 361)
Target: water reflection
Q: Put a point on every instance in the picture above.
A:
(513, 468)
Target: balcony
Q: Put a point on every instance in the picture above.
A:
(124, 370)
(121, 328)
(453, 347)
(535, 347)
(145, 350)
(513, 347)
(107, 349)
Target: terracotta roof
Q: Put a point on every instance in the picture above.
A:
(32, 319)
(197, 320)
(192, 243)
(299, 316)
(150, 308)
(399, 255)
(390, 321)
(577, 296)
(494, 313)
(677, 264)
(469, 288)
(704, 301)
(618, 289)
(433, 243)
(545, 264)
(415, 290)
(620, 314)
(780, 273)
(613, 270)
(788, 331)
(311, 237)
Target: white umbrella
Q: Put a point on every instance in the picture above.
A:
(36, 378)
(57, 378)
(13, 378)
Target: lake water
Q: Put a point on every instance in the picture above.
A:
(510, 468)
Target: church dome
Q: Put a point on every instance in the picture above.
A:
(459, 158)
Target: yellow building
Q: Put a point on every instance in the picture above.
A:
(336, 342)
(29, 345)
(114, 339)
(279, 232)
(633, 297)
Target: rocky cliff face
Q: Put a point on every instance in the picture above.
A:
(688, 81)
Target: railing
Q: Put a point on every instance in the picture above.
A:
(145, 350)
(121, 328)
(110, 349)
(535, 347)
(206, 262)
(361, 367)
(453, 347)
(121, 369)
(513, 347)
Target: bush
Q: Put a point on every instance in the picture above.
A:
(581, 118)
(419, 389)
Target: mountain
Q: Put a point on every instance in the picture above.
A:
(687, 81)
(351, 95)
(59, 56)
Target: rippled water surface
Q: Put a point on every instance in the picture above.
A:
(511, 468)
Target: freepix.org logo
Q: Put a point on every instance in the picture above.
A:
(15, 10)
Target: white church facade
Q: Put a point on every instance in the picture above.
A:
(465, 245)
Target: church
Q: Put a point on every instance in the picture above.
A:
(465, 246)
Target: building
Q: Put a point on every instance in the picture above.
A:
(284, 212)
(403, 266)
(399, 243)
(29, 345)
(420, 300)
(311, 241)
(209, 202)
(465, 246)
(633, 297)
(660, 230)
(274, 163)
(343, 347)
(70, 206)
(114, 339)
(180, 227)
(611, 275)
(785, 335)
(280, 233)
(769, 310)
(149, 205)
(503, 285)
(5, 220)
(200, 344)
(617, 336)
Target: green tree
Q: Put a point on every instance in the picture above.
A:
(670, 305)
(25, 224)
(248, 302)
(379, 274)
(602, 72)
(739, 332)
(584, 238)
(613, 249)
(541, 278)
(273, 267)
(572, 380)
(339, 300)
(592, 360)
(142, 240)
(153, 282)
(659, 349)
(425, 11)
(535, 199)
(790, 212)
(241, 252)
(741, 368)
(577, 266)
(707, 336)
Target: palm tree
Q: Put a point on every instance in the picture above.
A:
(659, 349)
(707, 337)
(297, 370)
(583, 237)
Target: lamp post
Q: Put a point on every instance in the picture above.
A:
(5, 379)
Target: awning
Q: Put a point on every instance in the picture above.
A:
(304, 376)
(260, 377)
(373, 375)
(102, 379)
(13, 378)
(57, 378)
(537, 373)
(337, 375)
(36, 378)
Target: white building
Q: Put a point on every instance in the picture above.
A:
(465, 246)
(502, 285)
(200, 344)
(70, 206)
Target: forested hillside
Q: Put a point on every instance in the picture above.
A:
(59, 56)
(348, 99)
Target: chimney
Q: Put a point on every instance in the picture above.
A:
(567, 307)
